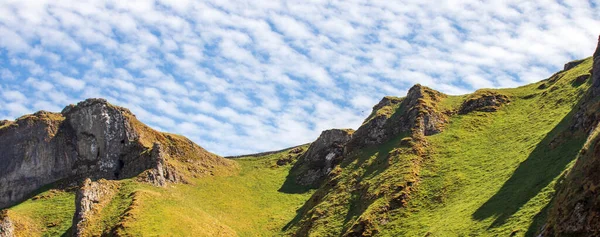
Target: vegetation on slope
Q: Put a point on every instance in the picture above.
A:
(248, 203)
(489, 172)
(494, 173)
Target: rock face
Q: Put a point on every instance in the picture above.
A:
(161, 173)
(484, 101)
(322, 155)
(587, 117)
(7, 229)
(91, 139)
(576, 209)
(89, 200)
(417, 113)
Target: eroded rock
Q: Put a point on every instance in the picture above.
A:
(322, 155)
(572, 64)
(89, 201)
(575, 210)
(416, 114)
(91, 139)
(161, 173)
(7, 228)
(484, 101)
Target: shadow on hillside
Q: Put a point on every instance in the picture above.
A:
(542, 166)
(291, 187)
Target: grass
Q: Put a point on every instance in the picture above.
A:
(244, 204)
(48, 214)
(492, 174)
(485, 174)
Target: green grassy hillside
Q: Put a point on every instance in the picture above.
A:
(244, 204)
(485, 174)
(493, 174)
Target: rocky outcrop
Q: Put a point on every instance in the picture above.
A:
(572, 64)
(484, 101)
(91, 139)
(417, 113)
(576, 207)
(7, 228)
(322, 155)
(576, 210)
(587, 116)
(89, 201)
(161, 173)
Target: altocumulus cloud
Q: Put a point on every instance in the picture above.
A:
(247, 76)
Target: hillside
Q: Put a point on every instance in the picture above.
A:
(498, 162)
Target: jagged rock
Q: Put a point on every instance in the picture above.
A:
(91, 139)
(89, 201)
(322, 155)
(416, 114)
(484, 101)
(7, 228)
(572, 64)
(161, 173)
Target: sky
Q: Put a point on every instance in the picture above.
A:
(238, 77)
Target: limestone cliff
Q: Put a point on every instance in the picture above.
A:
(91, 139)
(414, 114)
(89, 201)
(322, 155)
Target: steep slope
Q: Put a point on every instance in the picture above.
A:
(428, 164)
(96, 140)
(576, 210)
(91, 139)
(246, 203)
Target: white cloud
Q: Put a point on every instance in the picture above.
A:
(239, 76)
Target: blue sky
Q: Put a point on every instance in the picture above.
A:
(246, 76)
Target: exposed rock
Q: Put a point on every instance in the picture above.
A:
(587, 116)
(89, 201)
(572, 64)
(7, 228)
(161, 173)
(322, 155)
(296, 150)
(484, 101)
(417, 114)
(91, 139)
(576, 210)
(576, 207)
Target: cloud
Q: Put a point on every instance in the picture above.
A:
(238, 76)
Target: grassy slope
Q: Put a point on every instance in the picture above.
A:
(488, 174)
(49, 213)
(246, 204)
(493, 174)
